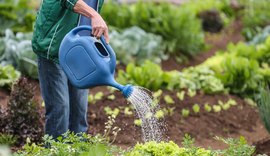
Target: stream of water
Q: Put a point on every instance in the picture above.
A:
(142, 101)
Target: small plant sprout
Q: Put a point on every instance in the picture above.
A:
(232, 102)
(148, 115)
(207, 107)
(111, 97)
(157, 94)
(138, 122)
(111, 89)
(94, 98)
(216, 108)
(191, 92)
(196, 108)
(181, 95)
(159, 114)
(185, 112)
(127, 111)
(111, 112)
(168, 99)
(225, 106)
(169, 111)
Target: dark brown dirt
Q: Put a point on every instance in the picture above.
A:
(239, 120)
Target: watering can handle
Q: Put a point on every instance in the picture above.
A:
(76, 30)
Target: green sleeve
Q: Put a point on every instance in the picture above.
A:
(69, 4)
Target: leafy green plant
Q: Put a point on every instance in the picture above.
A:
(127, 111)
(191, 93)
(158, 93)
(22, 109)
(8, 75)
(148, 75)
(185, 112)
(160, 114)
(68, 144)
(168, 99)
(236, 147)
(111, 97)
(18, 15)
(134, 45)
(94, 98)
(111, 112)
(138, 122)
(151, 76)
(7, 139)
(18, 52)
(196, 108)
(207, 107)
(181, 95)
(217, 108)
(179, 27)
(256, 16)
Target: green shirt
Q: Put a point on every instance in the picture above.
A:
(54, 20)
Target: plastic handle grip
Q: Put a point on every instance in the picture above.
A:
(81, 28)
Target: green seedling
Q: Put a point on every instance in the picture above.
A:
(207, 107)
(157, 94)
(191, 93)
(99, 96)
(196, 108)
(170, 111)
(94, 98)
(232, 102)
(111, 89)
(111, 97)
(181, 95)
(127, 111)
(216, 108)
(138, 122)
(220, 102)
(160, 114)
(225, 106)
(111, 112)
(168, 99)
(185, 112)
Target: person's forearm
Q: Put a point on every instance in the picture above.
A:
(82, 8)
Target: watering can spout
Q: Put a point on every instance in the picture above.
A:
(126, 90)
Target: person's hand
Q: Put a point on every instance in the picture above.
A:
(99, 27)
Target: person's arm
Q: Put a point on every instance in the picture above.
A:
(99, 26)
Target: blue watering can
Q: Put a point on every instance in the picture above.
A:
(89, 62)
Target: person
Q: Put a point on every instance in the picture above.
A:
(65, 105)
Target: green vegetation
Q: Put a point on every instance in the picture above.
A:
(242, 68)
(151, 76)
(6, 139)
(18, 15)
(8, 75)
(17, 50)
(180, 28)
(256, 16)
(134, 45)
